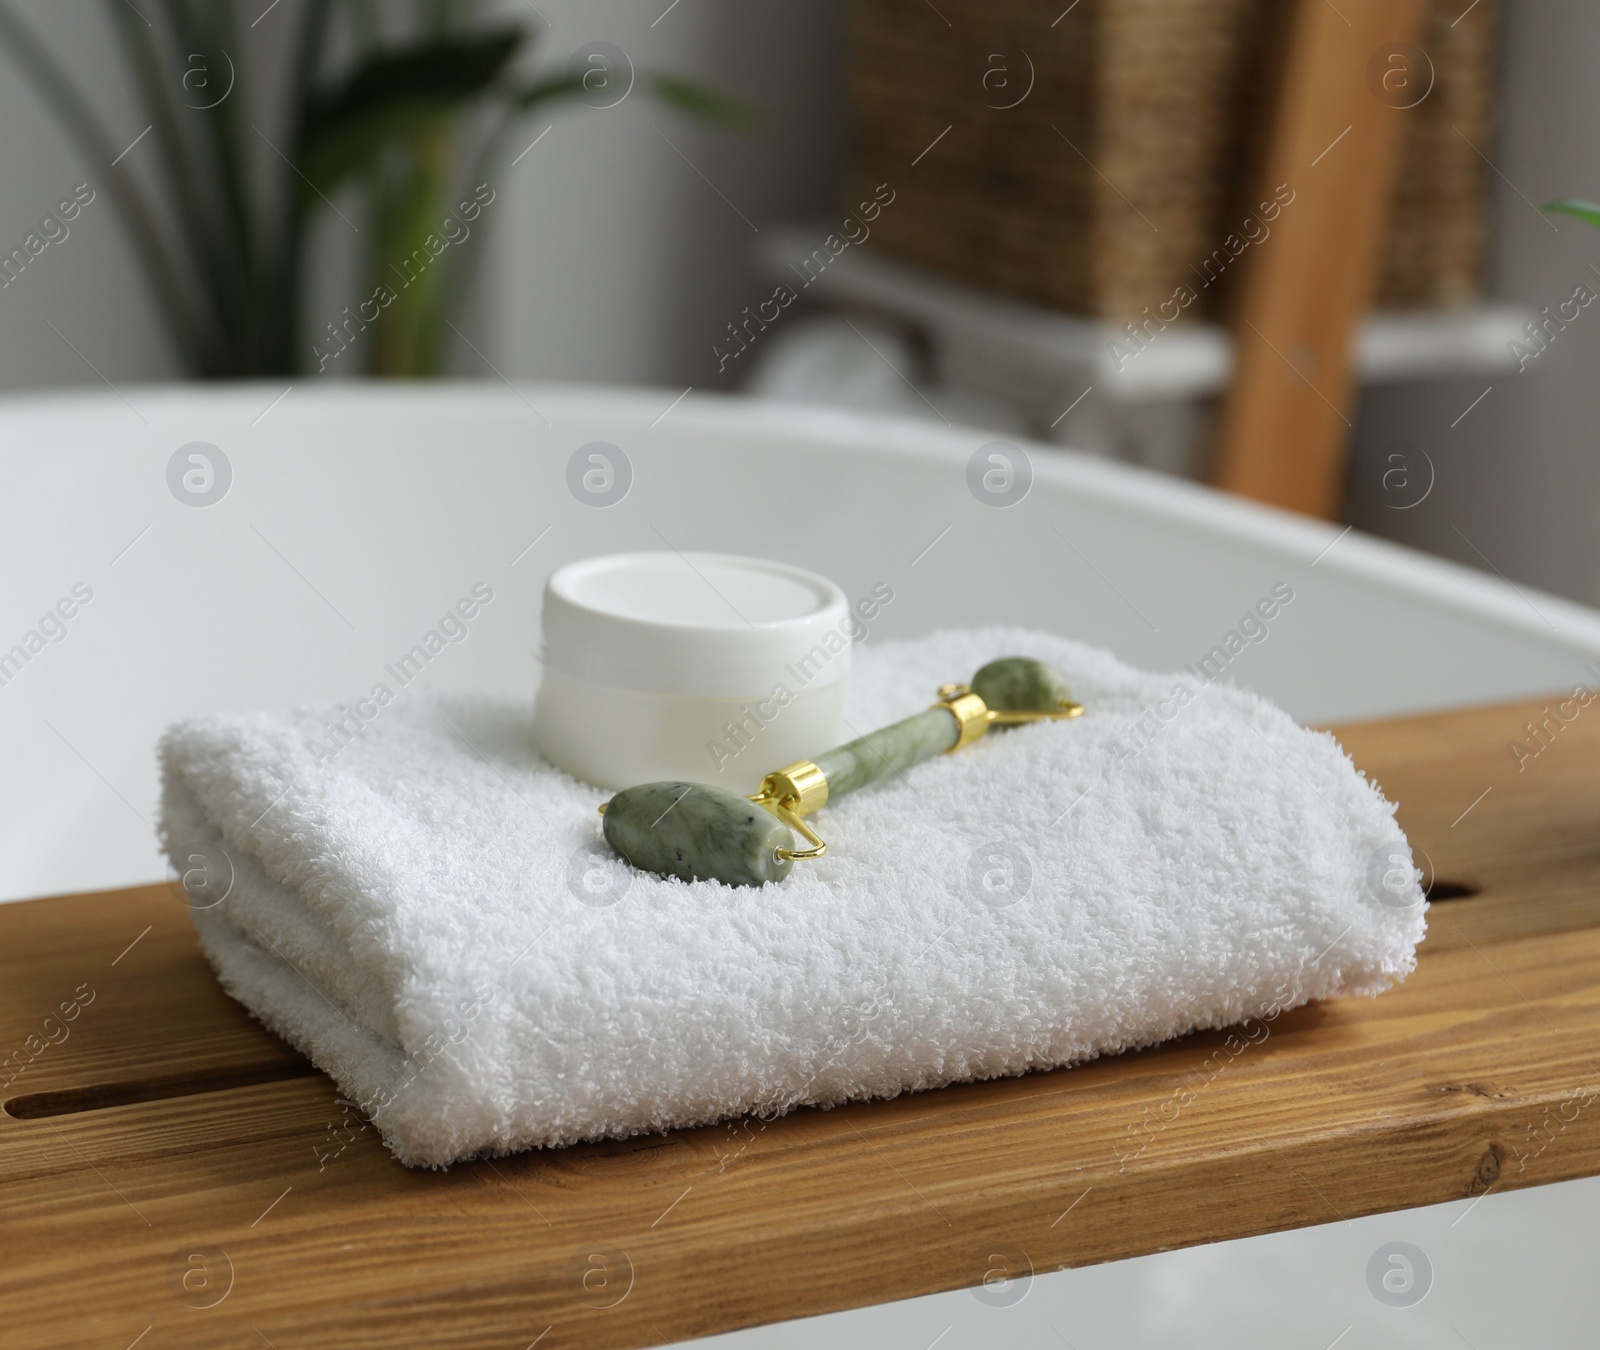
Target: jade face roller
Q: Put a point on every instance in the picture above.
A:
(697, 832)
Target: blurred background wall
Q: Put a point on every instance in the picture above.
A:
(1519, 476)
(624, 245)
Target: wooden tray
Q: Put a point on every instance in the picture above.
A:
(167, 1154)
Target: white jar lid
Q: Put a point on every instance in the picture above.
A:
(706, 624)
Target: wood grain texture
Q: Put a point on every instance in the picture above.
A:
(273, 1194)
(1334, 142)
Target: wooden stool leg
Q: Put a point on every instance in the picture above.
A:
(1333, 143)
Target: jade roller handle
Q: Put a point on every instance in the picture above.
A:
(694, 831)
(889, 750)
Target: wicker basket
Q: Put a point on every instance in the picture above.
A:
(1093, 162)
(1438, 227)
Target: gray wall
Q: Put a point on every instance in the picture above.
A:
(1517, 485)
(618, 260)
(86, 285)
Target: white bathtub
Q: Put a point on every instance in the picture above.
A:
(358, 514)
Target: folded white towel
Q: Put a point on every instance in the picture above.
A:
(431, 916)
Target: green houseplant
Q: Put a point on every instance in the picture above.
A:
(415, 115)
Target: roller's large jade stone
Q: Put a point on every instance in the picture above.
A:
(1021, 684)
(891, 750)
(695, 832)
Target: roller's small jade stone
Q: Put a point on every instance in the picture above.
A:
(693, 831)
(1021, 684)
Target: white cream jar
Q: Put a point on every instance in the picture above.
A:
(697, 666)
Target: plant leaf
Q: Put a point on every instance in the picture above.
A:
(396, 95)
(217, 263)
(1573, 206)
(704, 102)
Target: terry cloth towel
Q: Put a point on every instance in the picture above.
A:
(426, 908)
